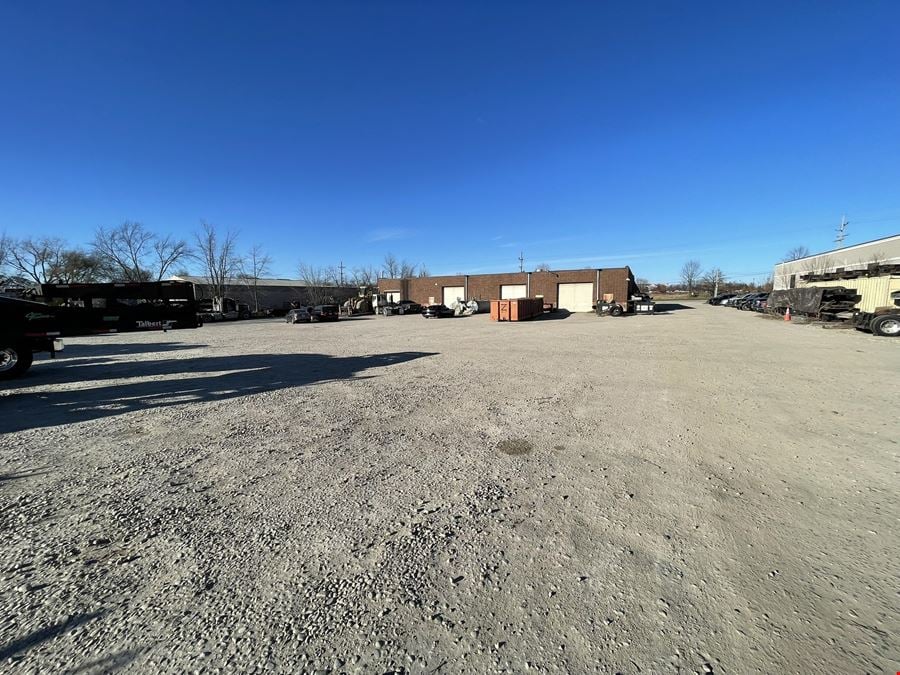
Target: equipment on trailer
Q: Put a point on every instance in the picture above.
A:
(636, 304)
(223, 309)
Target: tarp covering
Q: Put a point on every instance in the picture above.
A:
(806, 300)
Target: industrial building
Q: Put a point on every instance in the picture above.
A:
(790, 274)
(572, 290)
(273, 294)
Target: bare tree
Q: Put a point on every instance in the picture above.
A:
(796, 252)
(407, 270)
(542, 267)
(5, 244)
(690, 273)
(318, 282)
(134, 253)
(124, 248)
(423, 271)
(712, 279)
(78, 267)
(391, 266)
(364, 276)
(253, 266)
(37, 259)
(168, 252)
(642, 284)
(218, 253)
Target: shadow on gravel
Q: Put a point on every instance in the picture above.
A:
(27, 473)
(117, 349)
(553, 316)
(107, 664)
(25, 643)
(667, 307)
(208, 378)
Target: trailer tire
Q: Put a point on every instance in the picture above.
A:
(887, 325)
(15, 359)
(616, 310)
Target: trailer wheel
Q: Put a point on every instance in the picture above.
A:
(15, 359)
(616, 310)
(886, 326)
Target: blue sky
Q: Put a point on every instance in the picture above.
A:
(456, 134)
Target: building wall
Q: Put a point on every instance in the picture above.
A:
(278, 297)
(875, 291)
(885, 250)
(618, 281)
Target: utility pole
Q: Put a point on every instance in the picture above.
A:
(521, 261)
(842, 231)
(341, 268)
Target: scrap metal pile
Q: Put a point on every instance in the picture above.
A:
(461, 308)
(829, 304)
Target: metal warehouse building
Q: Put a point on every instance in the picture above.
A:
(273, 294)
(573, 290)
(884, 251)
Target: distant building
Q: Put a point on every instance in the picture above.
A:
(793, 273)
(573, 290)
(276, 295)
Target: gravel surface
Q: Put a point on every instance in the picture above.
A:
(703, 491)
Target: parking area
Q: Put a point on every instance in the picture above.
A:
(695, 491)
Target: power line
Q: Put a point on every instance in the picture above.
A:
(842, 231)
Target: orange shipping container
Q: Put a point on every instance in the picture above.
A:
(516, 310)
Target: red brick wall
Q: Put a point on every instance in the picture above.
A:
(617, 281)
(487, 286)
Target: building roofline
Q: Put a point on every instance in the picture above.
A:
(503, 274)
(843, 248)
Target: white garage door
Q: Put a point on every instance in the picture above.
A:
(452, 293)
(576, 297)
(513, 291)
(393, 296)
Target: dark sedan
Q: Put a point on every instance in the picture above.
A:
(325, 313)
(437, 312)
(408, 307)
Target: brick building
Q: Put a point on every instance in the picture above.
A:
(574, 290)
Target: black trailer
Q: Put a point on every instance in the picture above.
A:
(70, 310)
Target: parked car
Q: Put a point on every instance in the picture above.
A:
(325, 313)
(736, 301)
(402, 307)
(760, 303)
(744, 303)
(299, 315)
(437, 312)
(408, 307)
(720, 299)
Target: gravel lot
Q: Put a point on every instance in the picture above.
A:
(704, 490)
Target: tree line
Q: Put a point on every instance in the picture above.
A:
(694, 278)
(132, 252)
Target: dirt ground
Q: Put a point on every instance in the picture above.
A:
(701, 491)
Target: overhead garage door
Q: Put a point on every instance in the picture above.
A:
(454, 293)
(576, 297)
(392, 296)
(513, 291)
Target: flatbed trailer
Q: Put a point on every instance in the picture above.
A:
(75, 310)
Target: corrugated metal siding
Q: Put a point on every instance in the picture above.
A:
(875, 291)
